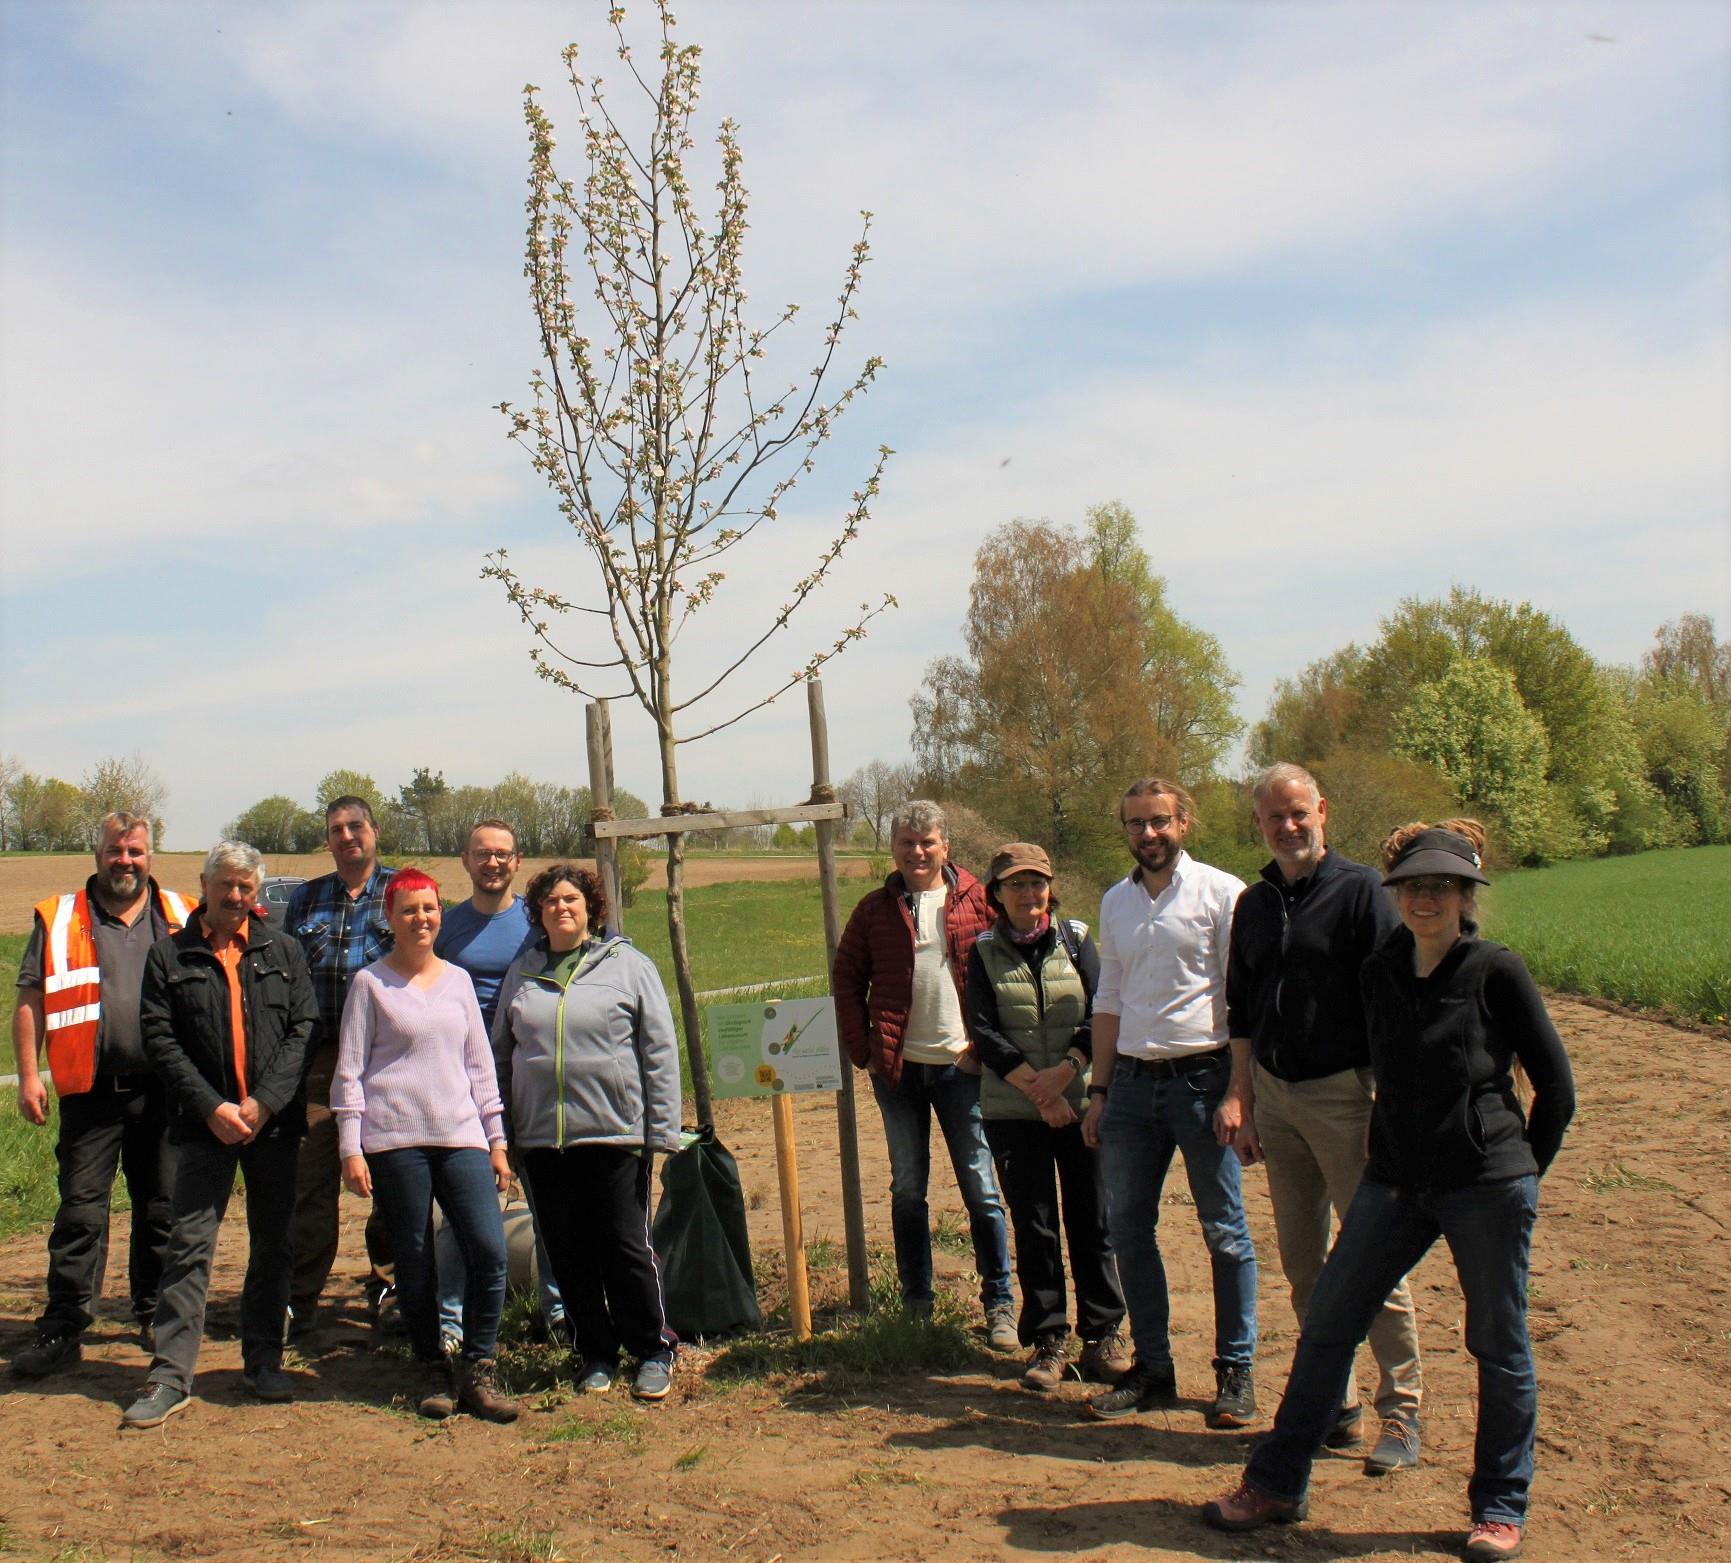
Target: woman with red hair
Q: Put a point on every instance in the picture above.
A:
(418, 1119)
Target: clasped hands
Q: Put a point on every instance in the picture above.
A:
(1045, 1089)
(238, 1124)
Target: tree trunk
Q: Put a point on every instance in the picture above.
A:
(681, 950)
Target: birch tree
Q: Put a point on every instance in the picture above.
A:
(654, 426)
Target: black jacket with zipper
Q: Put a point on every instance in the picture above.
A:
(184, 1018)
(1446, 1112)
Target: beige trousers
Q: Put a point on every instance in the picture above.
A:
(1313, 1142)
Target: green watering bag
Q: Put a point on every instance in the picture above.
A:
(701, 1242)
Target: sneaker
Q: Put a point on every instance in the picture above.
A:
(1493, 1539)
(1106, 1360)
(450, 1344)
(1248, 1509)
(1234, 1396)
(479, 1395)
(1001, 1332)
(55, 1347)
(383, 1311)
(1396, 1449)
(596, 1378)
(303, 1332)
(155, 1406)
(654, 1377)
(434, 1398)
(147, 1336)
(1348, 1429)
(1141, 1389)
(269, 1383)
(1045, 1370)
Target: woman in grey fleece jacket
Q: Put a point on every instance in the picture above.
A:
(588, 1067)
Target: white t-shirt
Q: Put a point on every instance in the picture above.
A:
(1163, 961)
(935, 1033)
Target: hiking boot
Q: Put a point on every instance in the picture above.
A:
(55, 1347)
(1396, 1449)
(155, 1406)
(1106, 1360)
(1001, 1332)
(434, 1398)
(1248, 1509)
(1493, 1539)
(1234, 1396)
(1045, 1370)
(1348, 1429)
(654, 1377)
(1141, 1389)
(479, 1396)
(269, 1383)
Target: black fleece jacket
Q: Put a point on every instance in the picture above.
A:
(1442, 1047)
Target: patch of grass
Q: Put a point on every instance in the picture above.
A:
(29, 1189)
(1616, 1178)
(886, 1473)
(824, 1253)
(519, 1543)
(1652, 930)
(691, 1458)
(888, 1340)
(619, 1427)
(1605, 1503)
(950, 1232)
(8, 1537)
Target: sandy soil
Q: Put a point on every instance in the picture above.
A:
(26, 880)
(1629, 1311)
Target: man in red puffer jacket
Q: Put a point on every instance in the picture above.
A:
(899, 973)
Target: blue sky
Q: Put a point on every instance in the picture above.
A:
(1346, 302)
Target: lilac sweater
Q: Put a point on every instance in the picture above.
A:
(414, 1066)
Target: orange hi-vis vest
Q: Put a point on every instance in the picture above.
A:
(72, 983)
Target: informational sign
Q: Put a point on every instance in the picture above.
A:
(774, 1046)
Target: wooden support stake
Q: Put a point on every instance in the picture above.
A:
(598, 731)
(859, 1285)
(792, 1228)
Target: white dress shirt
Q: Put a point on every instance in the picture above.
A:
(1163, 961)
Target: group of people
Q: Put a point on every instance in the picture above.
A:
(370, 1041)
(1345, 1027)
(1368, 1048)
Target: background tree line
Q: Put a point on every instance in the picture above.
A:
(428, 815)
(1078, 674)
(46, 814)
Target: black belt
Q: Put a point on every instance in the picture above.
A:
(1166, 1068)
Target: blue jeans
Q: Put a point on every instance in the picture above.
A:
(448, 1261)
(1147, 1119)
(1489, 1228)
(405, 1184)
(907, 1111)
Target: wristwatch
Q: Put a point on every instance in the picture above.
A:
(1097, 1090)
(1074, 1062)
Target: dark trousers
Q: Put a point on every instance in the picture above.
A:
(1035, 1162)
(121, 1123)
(594, 1204)
(318, 1190)
(203, 1182)
(405, 1184)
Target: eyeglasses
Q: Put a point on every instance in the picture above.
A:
(1026, 884)
(1152, 822)
(493, 857)
(1426, 885)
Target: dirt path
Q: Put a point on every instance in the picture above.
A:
(1630, 1315)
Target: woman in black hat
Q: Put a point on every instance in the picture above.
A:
(1031, 981)
(1452, 1155)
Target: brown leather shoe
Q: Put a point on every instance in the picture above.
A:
(433, 1398)
(1106, 1360)
(477, 1395)
(1248, 1509)
(1045, 1370)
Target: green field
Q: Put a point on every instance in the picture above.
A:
(1653, 930)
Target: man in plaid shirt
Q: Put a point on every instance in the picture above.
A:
(340, 922)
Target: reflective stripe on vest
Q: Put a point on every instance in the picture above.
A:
(72, 984)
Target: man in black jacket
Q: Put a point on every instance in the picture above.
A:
(227, 1014)
(1299, 935)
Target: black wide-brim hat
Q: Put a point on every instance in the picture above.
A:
(1437, 851)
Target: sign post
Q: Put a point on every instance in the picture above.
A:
(775, 1048)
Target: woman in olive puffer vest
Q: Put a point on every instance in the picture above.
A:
(1031, 980)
